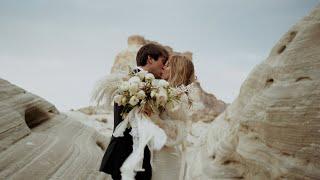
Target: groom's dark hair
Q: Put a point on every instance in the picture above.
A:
(153, 50)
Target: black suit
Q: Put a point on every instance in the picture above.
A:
(120, 148)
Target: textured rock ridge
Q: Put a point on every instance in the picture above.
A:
(272, 129)
(38, 142)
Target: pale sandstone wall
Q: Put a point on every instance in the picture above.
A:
(38, 142)
(272, 129)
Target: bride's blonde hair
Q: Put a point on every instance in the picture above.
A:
(181, 70)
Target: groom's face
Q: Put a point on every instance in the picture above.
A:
(157, 67)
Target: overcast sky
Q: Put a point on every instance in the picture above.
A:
(58, 49)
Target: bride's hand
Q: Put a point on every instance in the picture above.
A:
(147, 110)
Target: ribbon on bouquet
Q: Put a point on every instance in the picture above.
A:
(144, 133)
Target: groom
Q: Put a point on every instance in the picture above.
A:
(151, 58)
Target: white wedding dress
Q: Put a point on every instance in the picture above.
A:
(169, 162)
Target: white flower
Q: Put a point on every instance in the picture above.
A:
(155, 82)
(149, 76)
(153, 93)
(134, 87)
(141, 74)
(163, 83)
(117, 99)
(162, 97)
(133, 100)
(124, 86)
(123, 100)
(142, 85)
(134, 79)
(141, 94)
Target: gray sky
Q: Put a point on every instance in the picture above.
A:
(58, 49)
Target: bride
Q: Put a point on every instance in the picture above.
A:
(169, 162)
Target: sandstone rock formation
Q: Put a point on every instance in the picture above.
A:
(128, 57)
(272, 129)
(38, 142)
(205, 106)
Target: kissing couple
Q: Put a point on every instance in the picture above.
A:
(168, 126)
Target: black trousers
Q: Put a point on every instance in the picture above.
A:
(118, 150)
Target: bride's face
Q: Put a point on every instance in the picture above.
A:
(166, 71)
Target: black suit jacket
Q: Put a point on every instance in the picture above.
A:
(120, 148)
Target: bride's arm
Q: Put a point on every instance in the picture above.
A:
(179, 110)
(175, 130)
(174, 120)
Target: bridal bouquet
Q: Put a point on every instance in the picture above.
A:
(142, 90)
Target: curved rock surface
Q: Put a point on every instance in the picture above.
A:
(38, 142)
(272, 129)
